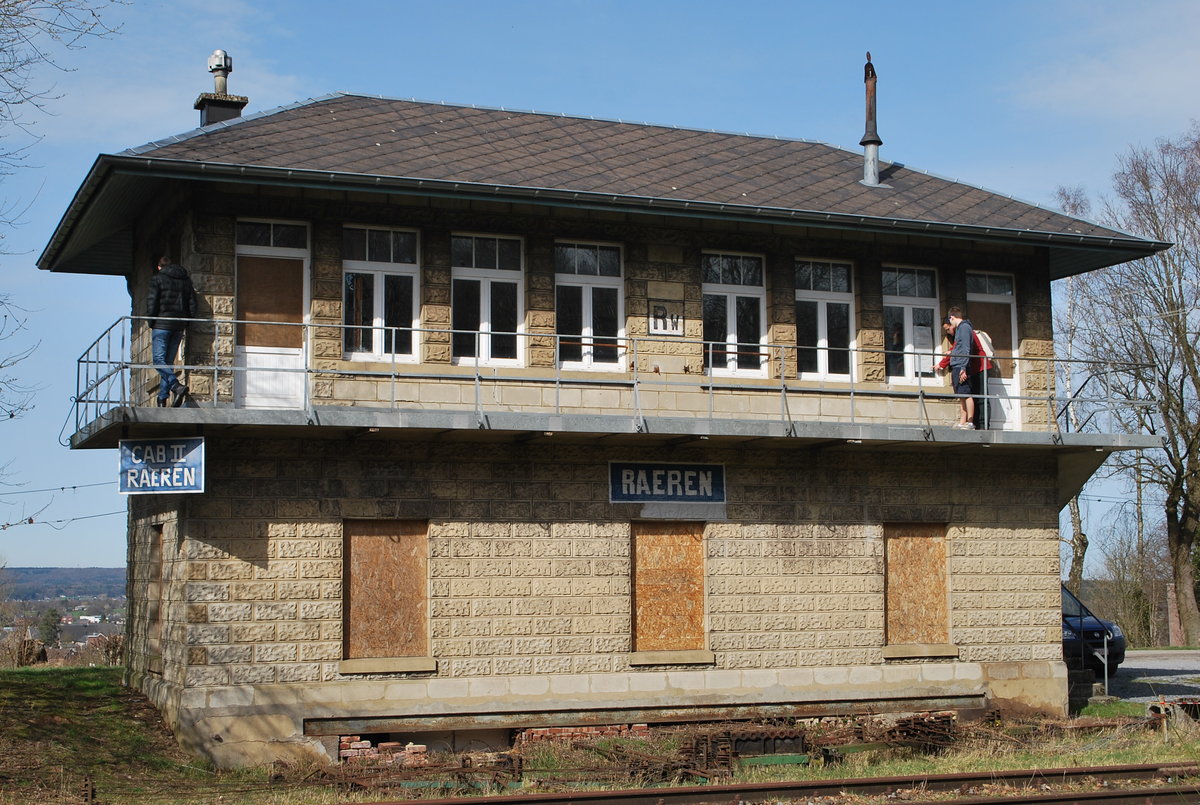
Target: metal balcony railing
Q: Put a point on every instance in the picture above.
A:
(651, 375)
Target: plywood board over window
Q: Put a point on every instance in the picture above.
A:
(386, 592)
(917, 590)
(270, 290)
(668, 586)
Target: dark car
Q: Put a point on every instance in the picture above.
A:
(1088, 641)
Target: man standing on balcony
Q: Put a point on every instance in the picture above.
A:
(960, 367)
(172, 300)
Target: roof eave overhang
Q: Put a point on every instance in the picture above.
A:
(1079, 253)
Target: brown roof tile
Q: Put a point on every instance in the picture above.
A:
(398, 138)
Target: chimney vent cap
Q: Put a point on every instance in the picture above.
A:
(220, 61)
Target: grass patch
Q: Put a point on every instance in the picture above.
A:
(62, 726)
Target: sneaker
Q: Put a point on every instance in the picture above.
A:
(964, 426)
(180, 391)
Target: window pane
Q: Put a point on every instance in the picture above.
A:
(587, 260)
(404, 247)
(509, 254)
(610, 261)
(838, 322)
(711, 264)
(803, 275)
(504, 319)
(893, 328)
(806, 336)
(464, 317)
(605, 325)
(1000, 284)
(752, 270)
(252, 233)
(923, 343)
(461, 251)
(925, 284)
(290, 236)
(716, 331)
(839, 278)
(749, 333)
(977, 283)
(358, 311)
(485, 253)
(821, 281)
(906, 283)
(569, 313)
(354, 244)
(398, 314)
(379, 246)
(564, 258)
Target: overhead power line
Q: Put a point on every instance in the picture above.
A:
(57, 488)
(57, 525)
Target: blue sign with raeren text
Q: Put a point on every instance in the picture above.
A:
(651, 482)
(161, 466)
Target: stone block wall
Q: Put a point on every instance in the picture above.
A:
(530, 568)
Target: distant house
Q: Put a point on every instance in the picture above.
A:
(515, 419)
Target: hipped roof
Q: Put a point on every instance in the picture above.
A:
(351, 141)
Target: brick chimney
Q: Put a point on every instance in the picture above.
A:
(219, 105)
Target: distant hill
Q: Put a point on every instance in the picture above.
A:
(36, 583)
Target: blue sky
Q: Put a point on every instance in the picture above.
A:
(1019, 97)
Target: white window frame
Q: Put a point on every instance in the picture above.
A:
(589, 282)
(823, 299)
(486, 277)
(380, 271)
(909, 303)
(730, 292)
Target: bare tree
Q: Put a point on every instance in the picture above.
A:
(1137, 576)
(1147, 312)
(33, 34)
(1075, 202)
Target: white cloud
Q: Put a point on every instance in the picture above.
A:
(1115, 61)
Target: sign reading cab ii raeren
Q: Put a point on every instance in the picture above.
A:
(652, 482)
(161, 466)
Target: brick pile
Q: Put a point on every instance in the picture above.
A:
(353, 749)
(580, 732)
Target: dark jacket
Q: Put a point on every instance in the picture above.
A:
(171, 297)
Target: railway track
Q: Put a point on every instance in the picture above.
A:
(1176, 783)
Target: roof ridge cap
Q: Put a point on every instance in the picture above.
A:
(235, 121)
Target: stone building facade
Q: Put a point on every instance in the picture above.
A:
(707, 471)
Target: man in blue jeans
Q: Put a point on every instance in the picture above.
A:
(171, 301)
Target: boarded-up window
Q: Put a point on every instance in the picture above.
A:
(386, 589)
(668, 586)
(270, 289)
(917, 610)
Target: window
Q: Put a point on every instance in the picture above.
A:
(487, 309)
(381, 289)
(668, 586)
(277, 235)
(735, 302)
(910, 317)
(824, 318)
(989, 284)
(587, 303)
(386, 572)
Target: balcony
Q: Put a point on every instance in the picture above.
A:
(662, 390)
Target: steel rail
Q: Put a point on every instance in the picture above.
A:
(792, 790)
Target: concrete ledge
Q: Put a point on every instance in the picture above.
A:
(696, 657)
(392, 665)
(917, 650)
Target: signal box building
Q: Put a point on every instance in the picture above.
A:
(516, 420)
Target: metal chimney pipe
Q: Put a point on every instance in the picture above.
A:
(220, 64)
(870, 139)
